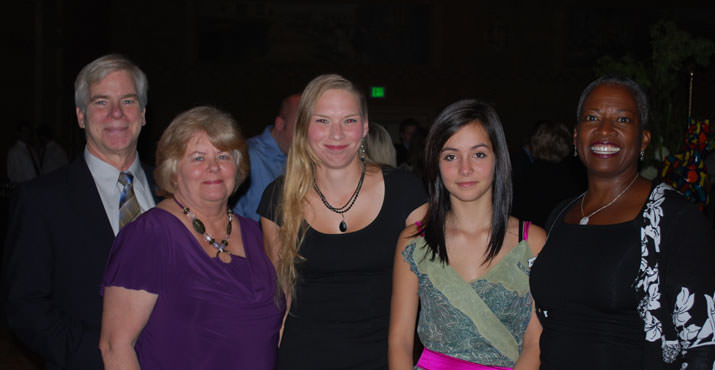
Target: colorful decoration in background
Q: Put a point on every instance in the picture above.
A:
(685, 171)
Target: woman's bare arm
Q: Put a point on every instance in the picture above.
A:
(125, 313)
(403, 314)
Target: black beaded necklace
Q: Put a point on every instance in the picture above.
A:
(341, 210)
(201, 229)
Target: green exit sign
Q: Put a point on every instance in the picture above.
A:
(377, 92)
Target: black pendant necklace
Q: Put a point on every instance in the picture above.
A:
(201, 229)
(343, 226)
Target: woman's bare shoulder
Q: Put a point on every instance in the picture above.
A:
(407, 236)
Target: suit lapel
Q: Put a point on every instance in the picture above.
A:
(149, 172)
(88, 214)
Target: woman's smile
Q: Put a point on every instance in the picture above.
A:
(604, 149)
(336, 148)
(213, 182)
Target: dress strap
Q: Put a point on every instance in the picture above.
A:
(521, 229)
(555, 220)
(420, 228)
(526, 230)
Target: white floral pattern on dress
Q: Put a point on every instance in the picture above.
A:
(648, 283)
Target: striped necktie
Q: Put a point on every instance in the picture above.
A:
(128, 205)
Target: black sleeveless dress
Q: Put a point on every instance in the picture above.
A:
(633, 295)
(340, 317)
(582, 283)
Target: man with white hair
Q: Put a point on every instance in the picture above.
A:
(64, 223)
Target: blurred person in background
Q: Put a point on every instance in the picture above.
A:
(379, 146)
(267, 153)
(23, 161)
(550, 177)
(407, 129)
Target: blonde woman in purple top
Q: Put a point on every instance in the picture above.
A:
(188, 285)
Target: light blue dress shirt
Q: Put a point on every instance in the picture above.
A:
(267, 163)
(106, 178)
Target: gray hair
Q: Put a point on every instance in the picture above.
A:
(639, 96)
(98, 69)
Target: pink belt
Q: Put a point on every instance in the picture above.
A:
(430, 360)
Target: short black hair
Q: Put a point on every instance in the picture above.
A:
(407, 122)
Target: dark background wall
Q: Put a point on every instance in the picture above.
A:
(531, 61)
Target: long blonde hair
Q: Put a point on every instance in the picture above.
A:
(300, 169)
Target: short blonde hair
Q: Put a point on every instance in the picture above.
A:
(379, 146)
(219, 126)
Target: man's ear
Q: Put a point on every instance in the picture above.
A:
(279, 123)
(143, 115)
(80, 117)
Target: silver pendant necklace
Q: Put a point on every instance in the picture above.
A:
(584, 219)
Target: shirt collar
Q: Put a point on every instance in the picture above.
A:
(269, 140)
(105, 172)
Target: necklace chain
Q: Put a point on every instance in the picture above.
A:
(584, 219)
(200, 228)
(341, 210)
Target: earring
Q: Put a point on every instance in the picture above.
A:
(363, 150)
(642, 157)
(575, 152)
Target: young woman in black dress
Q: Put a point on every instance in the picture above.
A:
(331, 225)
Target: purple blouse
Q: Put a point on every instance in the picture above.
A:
(209, 315)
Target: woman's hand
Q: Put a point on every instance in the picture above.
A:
(403, 314)
(529, 357)
(416, 215)
(530, 352)
(126, 312)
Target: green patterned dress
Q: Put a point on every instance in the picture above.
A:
(482, 321)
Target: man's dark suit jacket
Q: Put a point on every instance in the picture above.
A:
(56, 251)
